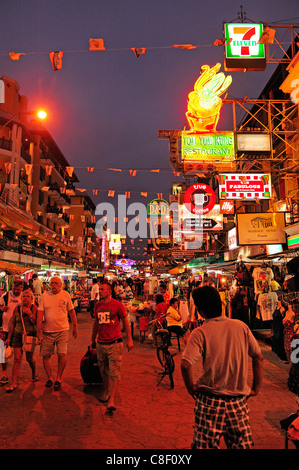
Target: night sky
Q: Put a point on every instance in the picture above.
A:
(105, 107)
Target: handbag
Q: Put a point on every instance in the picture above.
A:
(28, 342)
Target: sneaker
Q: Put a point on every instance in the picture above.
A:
(4, 380)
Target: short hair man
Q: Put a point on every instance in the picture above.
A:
(54, 308)
(107, 334)
(224, 344)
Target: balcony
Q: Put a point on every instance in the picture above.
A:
(5, 144)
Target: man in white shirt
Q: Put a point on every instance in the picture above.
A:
(53, 328)
(37, 287)
(8, 303)
(94, 296)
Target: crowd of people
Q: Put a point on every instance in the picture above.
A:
(43, 313)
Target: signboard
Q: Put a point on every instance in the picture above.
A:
(115, 244)
(158, 207)
(261, 228)
(227, 207)
(245, 186)
(199, 198)
(253, 142)
(242, 49)
(293, 241)
(209, 147)
(232, 239)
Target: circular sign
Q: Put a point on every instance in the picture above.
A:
(200, 199)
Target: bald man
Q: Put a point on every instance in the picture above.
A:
(53, 328)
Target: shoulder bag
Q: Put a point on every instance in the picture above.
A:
(29, 342)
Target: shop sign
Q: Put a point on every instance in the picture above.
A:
(227, 207)
(158, 207)
(232, 240)
(208, 147)
(199, 199)
(293, 241)
(261, 228)
(242, 49)
(253, 142)
(245, 186)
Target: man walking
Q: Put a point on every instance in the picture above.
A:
(108, 337)
(221, 390)
(94, 296)
(54, 308)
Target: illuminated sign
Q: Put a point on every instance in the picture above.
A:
(115, 244)
(245, 186)
(200, 199)
(253, 143)
(232, 240)
(261, 228)
(158, 207)
(242, 49)
(213, 220)
(204, 103)
(124, 263)
(293, 241)
(216, 146)
(227, 207)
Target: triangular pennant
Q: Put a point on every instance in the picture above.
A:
(82, 190)
(69, 170)
(46, 188)
(184, 46)
(96, 44)
(90, 169)
(133, 173)
(28, 169)
(7, 167)
(144, 194)
(155, 171)
(49, 169)
(128, 194)
(62, 190)
(16, 55)
(111, 193)
(95, 192)
(30, 189)
(138, 51)
(56, 60)
(160, 195)
(114, 169)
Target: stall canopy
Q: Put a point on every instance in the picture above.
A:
(10, 267)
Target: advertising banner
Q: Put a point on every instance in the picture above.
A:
(245, 186)
(209, 147)
(261, 228)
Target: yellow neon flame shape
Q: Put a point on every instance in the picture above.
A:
(204, 103)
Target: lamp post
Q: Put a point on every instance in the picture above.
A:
(41, 114)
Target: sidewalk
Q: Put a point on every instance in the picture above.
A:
(147, 416)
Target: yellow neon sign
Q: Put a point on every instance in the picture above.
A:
(204, 103)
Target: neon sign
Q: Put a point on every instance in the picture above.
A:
(216, 146)
(204, 103)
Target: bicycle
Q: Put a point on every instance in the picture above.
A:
(164, 356)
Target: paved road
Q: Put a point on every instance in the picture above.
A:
(147, 416)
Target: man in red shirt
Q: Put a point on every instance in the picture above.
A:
(107, 334)
(165, 294)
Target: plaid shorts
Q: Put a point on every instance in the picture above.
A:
(221, 416)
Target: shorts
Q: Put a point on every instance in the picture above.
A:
(59, 339)
(110, 359)
(221, 416)
(178, 330)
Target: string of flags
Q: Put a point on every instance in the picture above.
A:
(97, 44)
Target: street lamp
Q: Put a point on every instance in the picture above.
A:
(40, 113)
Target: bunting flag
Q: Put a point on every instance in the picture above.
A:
(176, 173)
(128, 194)
(133, 173)
(143, 194)
(90, 169)
(138, 51)
(160, 195)
(184, 46)
(96, 44)
(111, 193)
(30, 189)
(56, 60)
(7, 167)
(62, 190)
(155, 171)
(95, 192)
(222, 42)
(71, 216)
(114, 169)
(28, 169)
(82, 190)
(16, 55)
(82, 218)
(69, 170)
(46, 188)
(49, 169)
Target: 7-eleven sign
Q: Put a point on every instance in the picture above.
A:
(242, 50)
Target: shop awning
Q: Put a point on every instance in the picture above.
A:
(11, 267)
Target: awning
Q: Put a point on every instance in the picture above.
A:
(6, 266)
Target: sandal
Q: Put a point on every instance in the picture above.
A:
(49, 383)
(11, 389)
(57, 385)
(35, 378)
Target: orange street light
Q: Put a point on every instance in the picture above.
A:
(40, 113)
